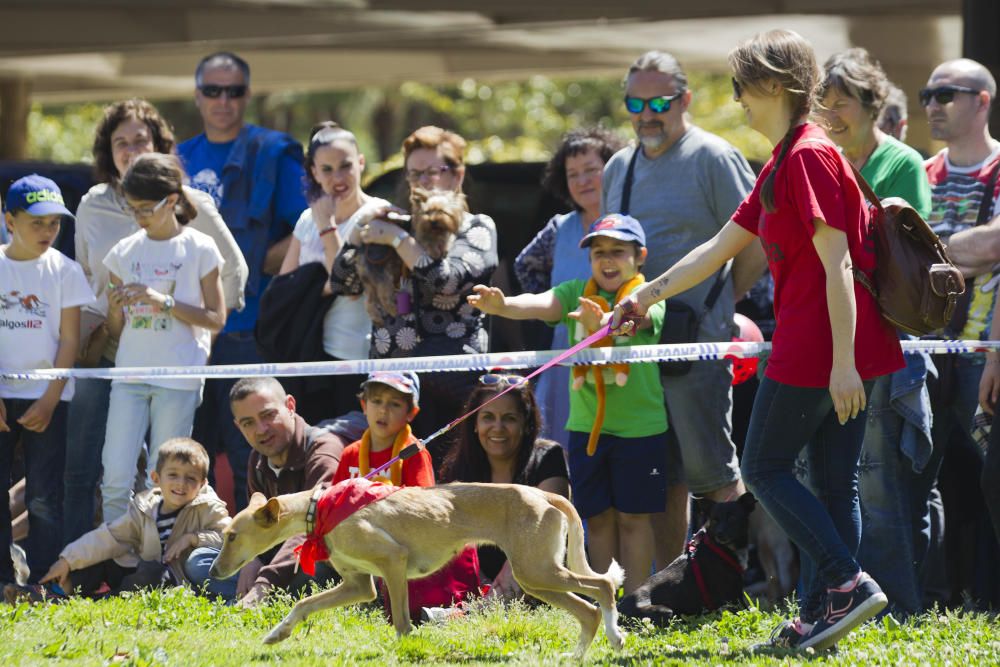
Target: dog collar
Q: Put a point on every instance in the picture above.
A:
(318, 491)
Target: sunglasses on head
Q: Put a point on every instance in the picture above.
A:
(501, 379)
(943, 94)
(232, 92)
(659, 104)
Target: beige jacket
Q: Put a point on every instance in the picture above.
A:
(135, 535)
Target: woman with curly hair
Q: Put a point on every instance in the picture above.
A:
(128, 129)
(574, 174)
(432, 316)
(500, 445)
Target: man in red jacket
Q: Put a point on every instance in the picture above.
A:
(288, 456)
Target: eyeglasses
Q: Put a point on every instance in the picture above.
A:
(417, 175)
(737, 89)
(146, 212)
(659, 104)
(943, 94)
(232, 92)
(498, 379)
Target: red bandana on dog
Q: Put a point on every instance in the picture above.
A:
(333, 506)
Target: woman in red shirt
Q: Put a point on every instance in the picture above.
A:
(830, 341)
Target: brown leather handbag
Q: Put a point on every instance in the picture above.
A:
(915, 283)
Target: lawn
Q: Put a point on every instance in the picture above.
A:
(176, 628)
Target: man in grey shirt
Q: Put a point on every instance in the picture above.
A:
(686, 184)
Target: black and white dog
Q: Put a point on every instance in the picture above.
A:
(707, 576)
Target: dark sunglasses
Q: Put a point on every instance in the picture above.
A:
(737, 89)
(502, 379)
(232, 92)
(659, 104)
(943, 94)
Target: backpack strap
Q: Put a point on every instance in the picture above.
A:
(627, 185)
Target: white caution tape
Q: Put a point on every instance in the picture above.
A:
(629, 354)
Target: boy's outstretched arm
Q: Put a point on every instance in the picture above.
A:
(492, 301)
(37, 416)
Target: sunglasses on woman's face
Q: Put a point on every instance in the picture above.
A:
(943, 94)
(495, 379)
(659, 104)
(232, 92)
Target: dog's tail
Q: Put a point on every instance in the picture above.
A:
(576, 555)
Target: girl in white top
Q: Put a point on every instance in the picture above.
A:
(165, 300)
(333, 186)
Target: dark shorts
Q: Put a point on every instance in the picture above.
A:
(627, 474)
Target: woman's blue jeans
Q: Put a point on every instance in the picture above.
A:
(825, 526)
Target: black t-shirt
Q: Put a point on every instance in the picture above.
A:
(546, 461)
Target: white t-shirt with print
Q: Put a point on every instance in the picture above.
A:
(32, 295)
(174, 266)
(347, 329)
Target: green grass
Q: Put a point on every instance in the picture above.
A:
(177, 628)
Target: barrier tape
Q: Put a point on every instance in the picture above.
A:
(630, 354)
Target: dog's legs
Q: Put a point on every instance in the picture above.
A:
(584, 612)
(354, 588)
(394, 572)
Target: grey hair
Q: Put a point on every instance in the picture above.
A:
(659, 61)
(225, 60)
(856, 74)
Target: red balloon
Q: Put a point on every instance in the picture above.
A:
(745, 368)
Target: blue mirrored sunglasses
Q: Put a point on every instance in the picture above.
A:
(659, 104)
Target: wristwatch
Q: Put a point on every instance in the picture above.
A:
(168, 304)
(402, 236)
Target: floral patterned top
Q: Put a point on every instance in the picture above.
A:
(440, 321)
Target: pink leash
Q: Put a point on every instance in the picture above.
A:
(412, 449)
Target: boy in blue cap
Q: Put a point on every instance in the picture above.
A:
(617, 422)
(41, 291)
(390, 401)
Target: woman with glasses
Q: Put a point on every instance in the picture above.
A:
(432, 315)
(898, 435)
(127, 130)
(500, 444)
(164, 303)
(334, 165)
(574, 174)
(831, 341)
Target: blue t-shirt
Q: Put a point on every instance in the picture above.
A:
(204, 162)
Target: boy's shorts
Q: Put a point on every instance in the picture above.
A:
(627, 474)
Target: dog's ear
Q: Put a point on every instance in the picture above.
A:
(268, 515)
(748, 502)
(704, 505)
(257, 498)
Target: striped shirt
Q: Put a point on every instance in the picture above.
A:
(956, 196)
(165, 524)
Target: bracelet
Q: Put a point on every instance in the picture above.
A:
(402, 236)
(332, 228)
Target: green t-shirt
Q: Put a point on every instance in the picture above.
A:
(633, 411)
(896, 170)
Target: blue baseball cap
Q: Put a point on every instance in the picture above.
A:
(37, 195)
(616, 226)
(406, 382)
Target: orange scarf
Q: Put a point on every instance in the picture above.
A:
(590, 292)
(396, 469)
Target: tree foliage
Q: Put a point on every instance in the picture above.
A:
(503, 121)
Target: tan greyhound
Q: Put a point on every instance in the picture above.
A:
(417, 530)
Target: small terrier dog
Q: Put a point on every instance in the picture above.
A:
(707, 576)
(437, 215)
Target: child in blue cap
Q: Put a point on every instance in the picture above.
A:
(617, 421)
(41, 291)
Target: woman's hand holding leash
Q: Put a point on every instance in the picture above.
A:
(626, 316)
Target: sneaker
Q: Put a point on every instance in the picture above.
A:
(846, 609)
(439, 614)
(20, 560)
(788, 635)
(14, 594)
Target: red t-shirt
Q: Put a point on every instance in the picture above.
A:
(417, 470)
(815, 181)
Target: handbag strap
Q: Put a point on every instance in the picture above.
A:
(720, 278)
(627, 185)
